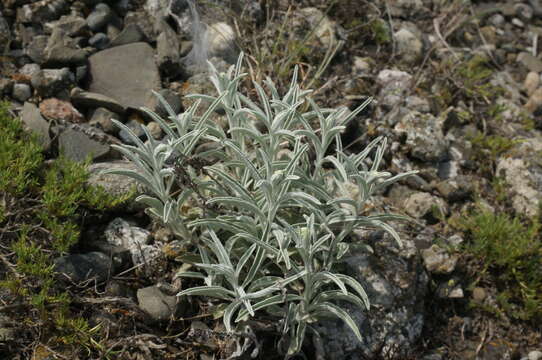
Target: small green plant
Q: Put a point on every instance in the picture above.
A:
(488, 148)
(510, 251)
(41, 207)
(275, 222)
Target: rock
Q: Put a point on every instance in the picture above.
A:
(93, 100)
(125, 73)
(406, 8)
(144, 22)
(220, 39)
(530, 62)
(496, 349)
(80, 73)
(456, 189)
(532, 80)
(438, 261)
(479, 294)
(56, 109)
(363, 65)
(101, 118)
(417, 103)
(155, 130)
(5, 33)
(81, 267)
(396, 286)
(455, 240)
(537, 9)
(325, 30)
(535, 355)
(63, 51)
(21, 92)
(33, 121)
(171, 97)
(137, 128)
(167, 49)
(78, 146)
(70, 25)
(49, 82)
(121, 233)
(424, 136)
(523, 184)
(130, 34)
(99, 17)
(36, 49)
(394, 84)
(117, 288)
(29, 69)
(524, 11)
(534, 102)
(116, 185)
(409, 47)
(42, 11)
(159, 306)
(99, 41)
(448, 169)
(497, 20)
(422, 204)
(6, 86)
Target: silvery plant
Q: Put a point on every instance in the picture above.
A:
(266, 203)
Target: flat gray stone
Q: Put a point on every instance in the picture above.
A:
(530, 62)
(81, 267)
(157, 304)
(33, 120)
(94, 100)
(125, 73)
(77, 145)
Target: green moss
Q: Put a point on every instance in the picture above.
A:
(510, 254)
(380, 31)
(21, 156)
(44, 212)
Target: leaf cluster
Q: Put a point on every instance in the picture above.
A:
(276, 221)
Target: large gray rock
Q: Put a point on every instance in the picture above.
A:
(125, 73)
(396, 284)
(34, 122)
(81, 267)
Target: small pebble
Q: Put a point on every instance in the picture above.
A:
(531, 83)
(21, 92)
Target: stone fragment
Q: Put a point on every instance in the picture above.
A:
(99, 17)
(130, 34)
(155, 130)
(167, 49)
(49, 82)
(535, 355)
(6, 86)
(81, 267)
(71, 25)
(101, 118)
(93, 100)
(422, 204)
(78, 146)
(450, 289)
(437, 260)
(394, 85)
(33, 121)
(136, 127)
(56, 109)
(21, 92)
(479, 294)
(36, 49)
(125, 73)
(409, 47)
(530, 62)
(424, 136)
(42, 11)
(534, 102)
(121, 233)
(99, 41)
(29, 69)
(532, 80)
(456, 189)
(159, 306)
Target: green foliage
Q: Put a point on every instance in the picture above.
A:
(275, 222)
(510, 251)
(40, 210)
(487, 149)
(21, 156)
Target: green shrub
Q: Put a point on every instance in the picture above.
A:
(510, 252)
(275, 221)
